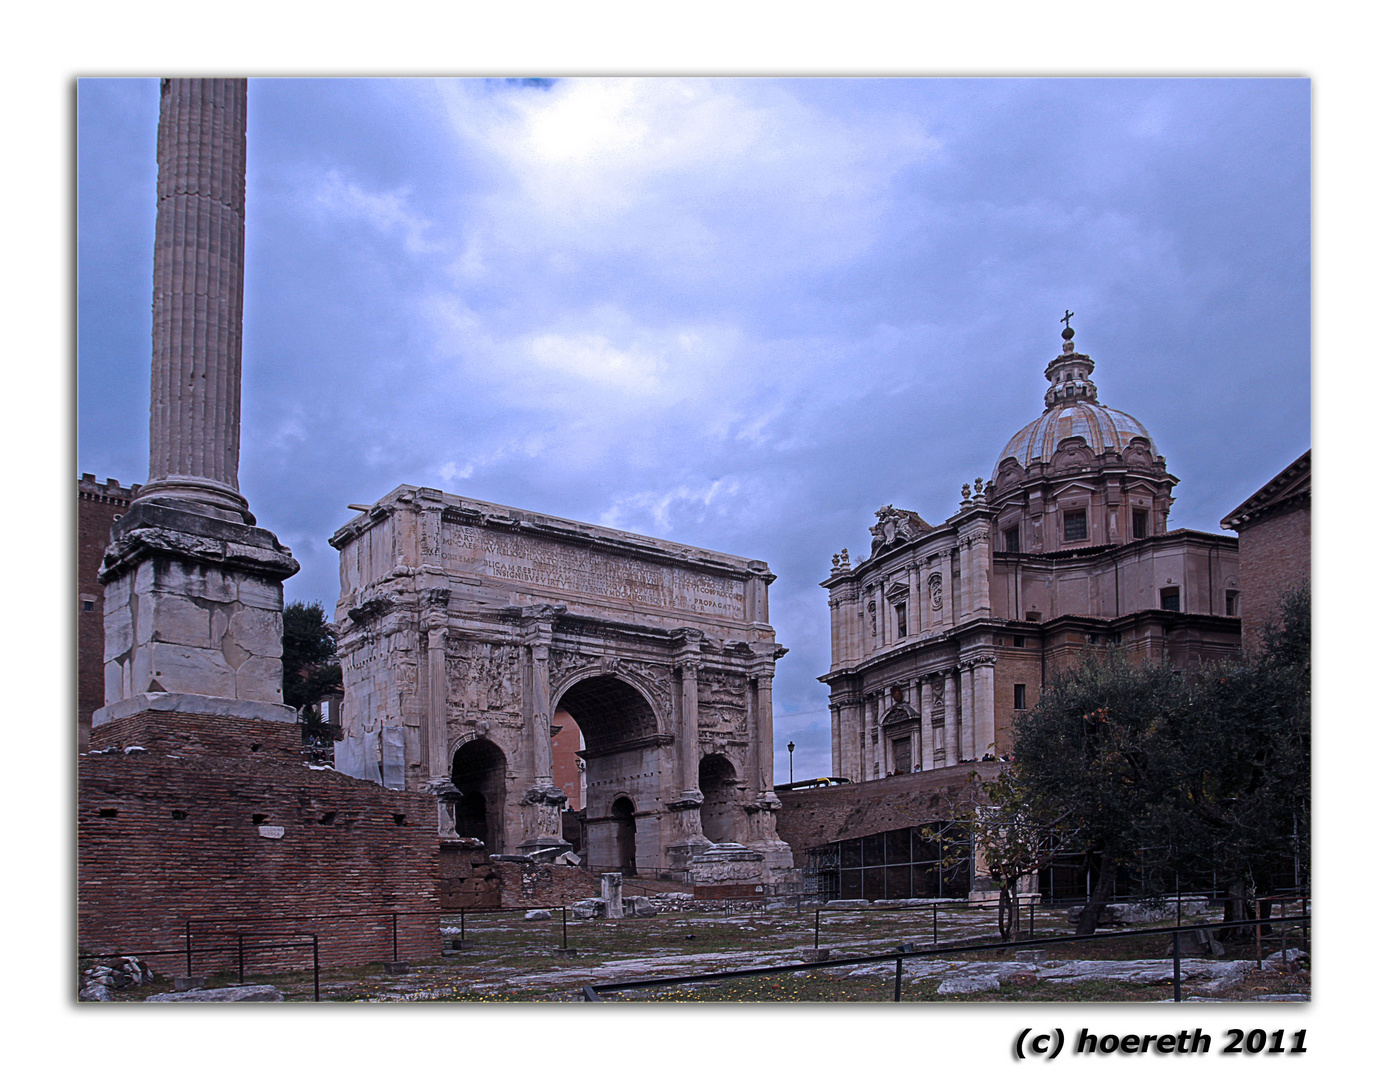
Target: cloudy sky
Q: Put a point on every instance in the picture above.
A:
(740, 313)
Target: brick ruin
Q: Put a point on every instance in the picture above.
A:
(218, 822)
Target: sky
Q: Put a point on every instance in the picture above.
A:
(736, 313)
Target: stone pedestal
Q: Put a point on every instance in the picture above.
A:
(762, 836)
(689, 834)
(611, 885)
(728, 871)
(541, 807)
(194, 606)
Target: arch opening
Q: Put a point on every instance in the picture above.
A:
(624, 818)
(719, 817)
(479, 774)
(609, 712)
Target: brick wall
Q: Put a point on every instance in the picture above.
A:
(1013, 666)
(1275, 555)
(98, 507)
(172, 834)
(815, 816)
(470, 879)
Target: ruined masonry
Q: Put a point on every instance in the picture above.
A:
(465, 626)
(194, 601)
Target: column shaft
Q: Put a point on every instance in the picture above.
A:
(952, 741)
(984, 708)
(765, 733)
(195, 373)
(689, 726)
(541, 716)
(437, 720)
(967, 749)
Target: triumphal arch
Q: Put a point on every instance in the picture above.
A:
(466, 626)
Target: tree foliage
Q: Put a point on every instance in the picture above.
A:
(311, 668)
(1206, 773)
(1015, 834)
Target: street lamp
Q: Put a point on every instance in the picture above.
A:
(791, 762)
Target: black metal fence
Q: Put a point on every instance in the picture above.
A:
(595, 991)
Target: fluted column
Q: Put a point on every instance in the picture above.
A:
(194, 602)
(199, 246)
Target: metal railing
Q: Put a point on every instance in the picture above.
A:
(594, 991)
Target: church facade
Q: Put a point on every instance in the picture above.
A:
(945, 633)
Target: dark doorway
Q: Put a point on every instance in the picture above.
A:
(479, 774)
(625, 816)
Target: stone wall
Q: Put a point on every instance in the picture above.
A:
(183, 830)
(814, 816)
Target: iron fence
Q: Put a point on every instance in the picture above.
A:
(594, 992)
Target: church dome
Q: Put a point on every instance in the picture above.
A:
(1101, 427)
(1073, 409)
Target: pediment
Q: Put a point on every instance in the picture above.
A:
(1139, 452)
(901, 713)
(1074, 487)
(1010, 472)
(1072, 453)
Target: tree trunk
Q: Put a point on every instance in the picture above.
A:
(1008, 911)
(1238, 908)
(1094, 907)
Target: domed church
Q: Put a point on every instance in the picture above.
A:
(946, 632)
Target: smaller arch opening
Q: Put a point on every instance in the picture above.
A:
(479, 774)
(625, 818)
(719, 815)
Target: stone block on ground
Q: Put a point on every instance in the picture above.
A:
(968, 984)
(1198, 943)
(224, 993)
(638, 906)
(588, 909)
(538, 915)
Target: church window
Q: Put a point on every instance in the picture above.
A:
(1232, 603)
(1070, 391)
(1171, 599)
(1140, 524)
(88, 605)
(901, 620)
(1020, 695)
(1075, 525)
(1019, 642)
(1010, 540)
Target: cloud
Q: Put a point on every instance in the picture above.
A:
(387, 213)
